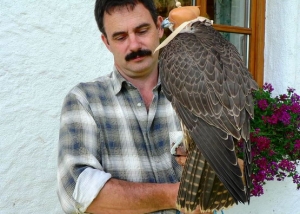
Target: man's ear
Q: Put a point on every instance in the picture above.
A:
(158, 24)
(105, 41)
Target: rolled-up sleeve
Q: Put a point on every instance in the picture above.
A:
(80, 175)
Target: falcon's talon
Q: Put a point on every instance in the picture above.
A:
(175, 146)
(176, 139)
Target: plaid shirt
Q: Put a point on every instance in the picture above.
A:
(106, 132)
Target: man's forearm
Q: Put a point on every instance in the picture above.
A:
(129, 197)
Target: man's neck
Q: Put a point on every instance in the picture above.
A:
(145, 85)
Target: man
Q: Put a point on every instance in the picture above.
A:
(114, 151)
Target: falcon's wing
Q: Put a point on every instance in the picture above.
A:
(204, 77)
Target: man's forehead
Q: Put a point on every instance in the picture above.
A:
(126, 17)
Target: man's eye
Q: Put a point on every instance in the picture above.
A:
(120, 38)
(142, 31)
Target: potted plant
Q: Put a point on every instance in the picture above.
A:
(275, 137)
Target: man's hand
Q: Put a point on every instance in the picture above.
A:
(180, 155)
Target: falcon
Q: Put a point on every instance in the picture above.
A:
(210, 88)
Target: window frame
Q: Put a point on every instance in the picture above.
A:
(256, 34)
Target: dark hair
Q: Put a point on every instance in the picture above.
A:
(108, 6)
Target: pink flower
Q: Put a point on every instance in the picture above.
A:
(285, 118)
(263, 143)
(283, 97)
(257, 189)
(290, 90)
(295, 98)
(295, 108)
(262, 104)
(297, 145)
(273, 119)
(287, 165)
(275, 138)
(268, 87)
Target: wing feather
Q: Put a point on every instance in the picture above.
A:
(204, 77)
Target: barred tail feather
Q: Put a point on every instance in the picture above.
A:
(200, 185)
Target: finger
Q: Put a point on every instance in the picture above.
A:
(181, 151)
(180, 160)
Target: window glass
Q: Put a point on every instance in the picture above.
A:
(229, 12)
(234, 13)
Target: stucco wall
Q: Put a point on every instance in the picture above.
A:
(46, 47)
(282, 45)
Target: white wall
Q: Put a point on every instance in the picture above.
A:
(46, 47)
(282, 45)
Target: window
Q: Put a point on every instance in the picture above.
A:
(242, 22)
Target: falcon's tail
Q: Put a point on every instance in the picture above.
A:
(200, 185)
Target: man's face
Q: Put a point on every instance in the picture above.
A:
(132, 36)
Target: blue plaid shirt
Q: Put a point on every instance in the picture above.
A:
(107, 132)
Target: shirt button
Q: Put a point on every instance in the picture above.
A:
(139, 104)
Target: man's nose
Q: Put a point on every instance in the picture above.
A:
(134, 43)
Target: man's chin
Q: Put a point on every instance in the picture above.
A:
(140, 67)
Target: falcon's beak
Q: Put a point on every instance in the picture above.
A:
(166, 23)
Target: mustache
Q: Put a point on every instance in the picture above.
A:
(139, 53)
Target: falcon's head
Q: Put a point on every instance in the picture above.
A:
(180, 20)
(179, 15)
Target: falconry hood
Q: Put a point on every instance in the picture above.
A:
(180, 20)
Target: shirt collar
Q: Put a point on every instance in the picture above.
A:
(119, 81)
